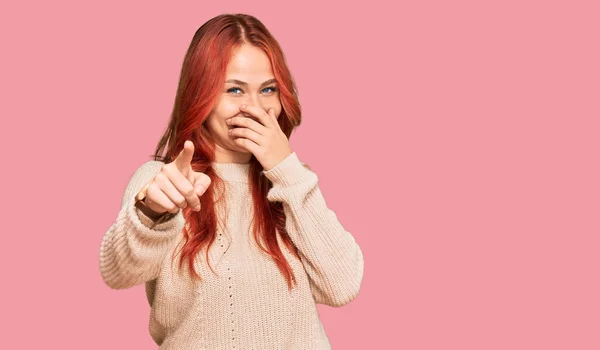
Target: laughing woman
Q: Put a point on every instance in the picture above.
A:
(229, 230)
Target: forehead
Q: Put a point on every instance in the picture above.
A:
(249, 64)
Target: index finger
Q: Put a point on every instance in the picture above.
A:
(184, 159)
(259, 113)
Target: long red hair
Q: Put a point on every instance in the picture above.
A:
(201, 81)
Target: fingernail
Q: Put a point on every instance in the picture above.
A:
(200, 189)
(243, 106)
(197, 208)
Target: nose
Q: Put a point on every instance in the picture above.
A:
(253, 101)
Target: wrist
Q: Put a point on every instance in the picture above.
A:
(142, 206)
(149, 212)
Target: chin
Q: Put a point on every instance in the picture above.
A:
(243, 150)
(238, 148)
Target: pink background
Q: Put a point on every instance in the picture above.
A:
(457, 141)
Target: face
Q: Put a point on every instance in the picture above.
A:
(249, 80)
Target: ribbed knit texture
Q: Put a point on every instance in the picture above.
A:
(247, 305)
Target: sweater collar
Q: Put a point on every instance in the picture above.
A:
(233, 172)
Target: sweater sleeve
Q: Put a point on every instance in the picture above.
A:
(131, 253)
(331, 257)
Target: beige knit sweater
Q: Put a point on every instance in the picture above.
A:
(248, 304)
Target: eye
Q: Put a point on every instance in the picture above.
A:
(233, 88)
(272, 88)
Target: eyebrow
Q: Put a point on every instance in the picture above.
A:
(239, 82)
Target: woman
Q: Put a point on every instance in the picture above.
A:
(229, 230)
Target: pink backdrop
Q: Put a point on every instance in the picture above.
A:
(457, 141)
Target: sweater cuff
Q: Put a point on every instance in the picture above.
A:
(288, 172)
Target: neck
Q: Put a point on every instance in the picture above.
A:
(232, 172)
(223, 155)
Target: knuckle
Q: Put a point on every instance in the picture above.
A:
(160, 177)
(150, 191)
(167, 169)
(151, 187)
(188, 192)
(170, 169)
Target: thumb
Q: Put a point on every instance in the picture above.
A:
(184, 159)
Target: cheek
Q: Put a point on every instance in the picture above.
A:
(278, 109)
(225, 109)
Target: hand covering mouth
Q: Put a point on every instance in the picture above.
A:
(238, 126)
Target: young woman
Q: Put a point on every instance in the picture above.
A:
(229, 230)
